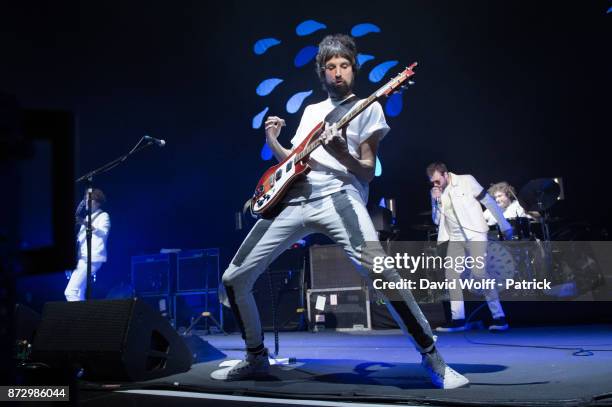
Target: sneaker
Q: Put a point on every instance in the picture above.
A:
(456, 325)
(498, 325)
(253, 366)
(442, 376)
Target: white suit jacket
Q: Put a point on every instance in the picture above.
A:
(466, 195)
(101, 225)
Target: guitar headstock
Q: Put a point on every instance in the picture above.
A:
(400, 80)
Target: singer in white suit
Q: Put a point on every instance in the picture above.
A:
(456, 209)
(75, 290)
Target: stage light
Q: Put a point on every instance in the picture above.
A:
(295, 102)
(363, 58)
(258, 119)
(362, 29)
(267, 86)
(394, 105)
(305, 55)
(261, 46)
(308, 27)
(266, 153)
(380, 71)
(378, 169)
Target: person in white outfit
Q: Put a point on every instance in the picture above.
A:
(100, 222)
(456, 209)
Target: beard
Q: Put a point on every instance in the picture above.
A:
(338, 91)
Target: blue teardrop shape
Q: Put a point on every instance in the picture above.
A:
(380, 71)
(266, 153)
(362, 29)
(394, 105)
(261, 46)
(308, 27)
(266, 86)
(258, 119)
(295, 102)
(363, 58)
(305, 55)
(378, 170)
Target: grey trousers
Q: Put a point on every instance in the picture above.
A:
(341, 216)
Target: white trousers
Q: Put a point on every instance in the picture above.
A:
(75, 290)
(474, 249)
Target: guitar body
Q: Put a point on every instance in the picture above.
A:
(277, 180)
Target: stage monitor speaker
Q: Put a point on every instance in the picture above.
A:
(330, 267)
(123, 340)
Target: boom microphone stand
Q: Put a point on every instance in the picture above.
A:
(89, 181)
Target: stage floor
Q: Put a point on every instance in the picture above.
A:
(559, 365)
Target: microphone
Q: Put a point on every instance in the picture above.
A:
(159, 142)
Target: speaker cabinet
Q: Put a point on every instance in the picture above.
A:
(123, 340)
(330, 267)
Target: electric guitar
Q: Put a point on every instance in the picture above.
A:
(277, 180)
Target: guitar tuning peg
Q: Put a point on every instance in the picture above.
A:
(410, 82)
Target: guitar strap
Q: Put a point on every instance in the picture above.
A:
(92, 219)
(342, 109)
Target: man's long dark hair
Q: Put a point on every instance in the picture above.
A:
(336, 45)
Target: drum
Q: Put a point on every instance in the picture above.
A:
(521, 229)
(500, 265)
(493, 234)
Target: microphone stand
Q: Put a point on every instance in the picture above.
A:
(89, 181)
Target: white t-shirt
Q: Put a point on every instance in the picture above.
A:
(451, 220)
(328, 175)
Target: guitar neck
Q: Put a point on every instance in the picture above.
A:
(363, 105)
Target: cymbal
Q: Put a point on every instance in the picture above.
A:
(539, 194)
(424, 227)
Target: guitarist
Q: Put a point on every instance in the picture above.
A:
(331, 200)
